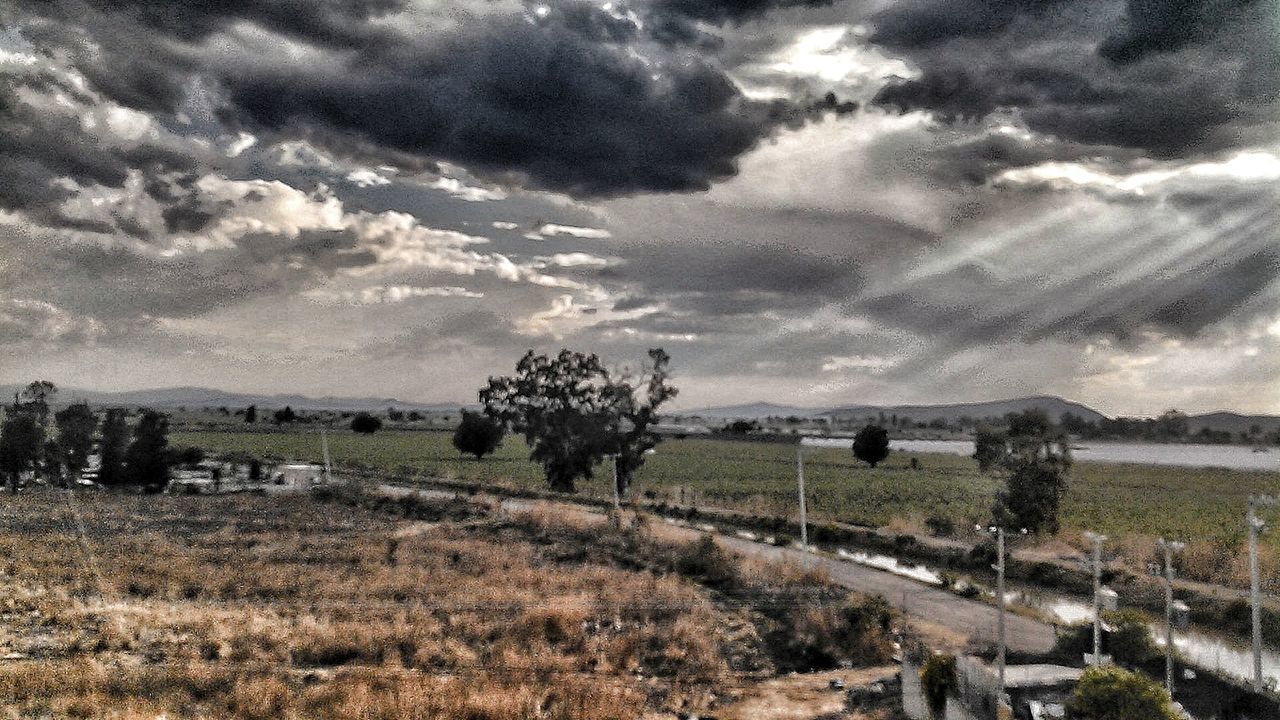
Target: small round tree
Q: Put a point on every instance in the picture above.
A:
(871, 445)
(365, 423)
(1110, 693)
(477, 434)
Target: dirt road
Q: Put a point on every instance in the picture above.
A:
(967, 618)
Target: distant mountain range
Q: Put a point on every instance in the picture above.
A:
(195, 397)
(1054, 407)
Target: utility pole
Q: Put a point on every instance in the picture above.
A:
(804, 520)
(617, 500)
(1097, 595)
(324, 441)
(1256, 526)
(1169, 549)
(1000, 615)
(1001, 604)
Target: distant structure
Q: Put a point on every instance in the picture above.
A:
(296, 477)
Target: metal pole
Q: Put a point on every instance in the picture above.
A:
(804, 521)
(324, 440)
(1097, 596)
(1168, 616)
(1000, 614)
(1255, 594)
(617, 501)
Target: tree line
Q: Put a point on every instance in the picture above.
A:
(55, 447)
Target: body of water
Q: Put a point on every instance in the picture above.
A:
(1203, 650)
(1200, 649)
(1236, 457)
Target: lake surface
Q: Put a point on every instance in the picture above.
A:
(1236, 457)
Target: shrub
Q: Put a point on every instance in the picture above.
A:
(365, 423)
(706, 562)
(477, 434)
(940, 525)
(818, 638)
(1129, 641)
(1110, 693)
(937, 678)
(871, 445)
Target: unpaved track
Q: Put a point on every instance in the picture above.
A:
(969, 618)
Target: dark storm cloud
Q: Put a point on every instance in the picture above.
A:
(577, 100)
(341, 23)
(1167, 76)
(677, 21)
(922, 23)
(1157, 27)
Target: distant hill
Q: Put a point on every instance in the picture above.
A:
(1233, 422)
(1054, 407)
(749, 411)
(195, 397)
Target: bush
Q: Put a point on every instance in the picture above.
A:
(937, 678)
(1129, 642)
(477, 434)
(940, 525)
(819, 638)
(365, 423)
(705, 561)
(1110, 693)
(871, 445)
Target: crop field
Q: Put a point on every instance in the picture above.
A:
(1120, 500)
(355, 606)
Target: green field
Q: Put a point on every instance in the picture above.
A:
(1119, 500)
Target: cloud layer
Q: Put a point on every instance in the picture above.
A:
(809, 201)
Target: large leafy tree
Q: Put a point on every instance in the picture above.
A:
(35, 397)
(115, 440)
(21, 440)
(76, 424)
(1035, 461)
(574, 412)
(147, 460)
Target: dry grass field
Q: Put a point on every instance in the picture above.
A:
(355, 607)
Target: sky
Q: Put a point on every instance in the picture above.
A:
(809, 202)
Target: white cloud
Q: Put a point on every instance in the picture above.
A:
(870, 363)
(387, 294)
(576, 259)
(463, 191)
(547, 230)
(365, 178)
(242, 142)
(1256, 166)
(564, 314)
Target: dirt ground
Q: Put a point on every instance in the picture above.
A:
(803, 696)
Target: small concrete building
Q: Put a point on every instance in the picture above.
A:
(296, 477)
